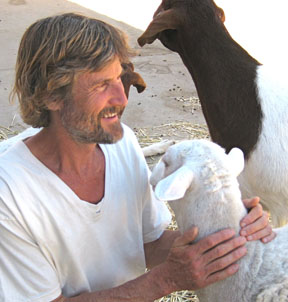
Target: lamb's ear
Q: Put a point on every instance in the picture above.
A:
(168, 19)
(175, 185)
(236, 158)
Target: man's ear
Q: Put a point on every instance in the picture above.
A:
(54, 105)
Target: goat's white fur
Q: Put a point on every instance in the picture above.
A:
(200, 182)
(266, 171)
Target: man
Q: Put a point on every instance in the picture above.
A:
(78, 220)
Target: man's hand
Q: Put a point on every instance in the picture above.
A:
(255, 225)
(196, 265)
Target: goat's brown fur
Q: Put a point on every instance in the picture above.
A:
(130, 77)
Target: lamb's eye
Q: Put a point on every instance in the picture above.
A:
(166, 164)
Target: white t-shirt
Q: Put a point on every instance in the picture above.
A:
(51, 242)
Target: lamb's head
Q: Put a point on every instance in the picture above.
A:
(176, 16)
(186, 165)
(192, 172)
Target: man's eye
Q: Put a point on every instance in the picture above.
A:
(100, 87)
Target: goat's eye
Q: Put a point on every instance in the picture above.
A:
(166, 4)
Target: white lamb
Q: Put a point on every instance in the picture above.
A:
(200, 182)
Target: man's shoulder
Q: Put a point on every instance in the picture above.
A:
(12, 151)
(11, 159)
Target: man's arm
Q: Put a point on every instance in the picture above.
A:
(186, 266)
(254, 226)
(176, 263)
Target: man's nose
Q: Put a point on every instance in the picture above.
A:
(119, 97)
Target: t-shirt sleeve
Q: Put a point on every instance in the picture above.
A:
(156, 216)
(25, 273)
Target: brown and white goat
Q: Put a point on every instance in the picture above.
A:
(244, 103)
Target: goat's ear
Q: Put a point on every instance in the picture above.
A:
(175, 185)
(130, 77)
(138, 82)
(236, 158)
(164, 20)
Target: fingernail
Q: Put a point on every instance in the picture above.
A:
(243, 233)
(249, 238)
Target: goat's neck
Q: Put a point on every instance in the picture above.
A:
(224, 75)
(210, 211)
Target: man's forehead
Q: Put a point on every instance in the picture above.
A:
(111, 70)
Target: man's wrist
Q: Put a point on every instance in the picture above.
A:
(160, 280)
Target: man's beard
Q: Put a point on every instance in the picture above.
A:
(86, 128)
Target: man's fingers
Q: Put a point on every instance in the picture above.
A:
(211, 258)
(269, 237)
(260, 233)
(224, 248)
(251, 202)
(221, 275)
(211, 241)
(186, 238)
(254, 214)
(260, 224)
(225, 261)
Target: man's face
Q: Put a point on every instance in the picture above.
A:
(98, 100)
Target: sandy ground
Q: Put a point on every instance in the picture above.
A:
(253, 23)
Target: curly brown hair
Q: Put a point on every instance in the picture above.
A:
(52, 51)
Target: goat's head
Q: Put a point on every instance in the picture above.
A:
(130, 77)
(182, 167)
(173, 15)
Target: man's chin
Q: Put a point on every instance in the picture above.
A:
(113, 134)
(109, 135)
